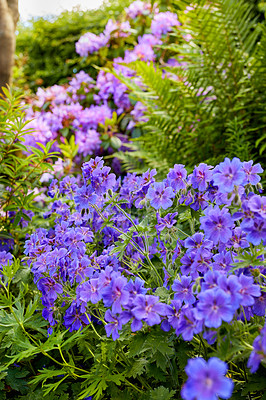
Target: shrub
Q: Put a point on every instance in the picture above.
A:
(98, 116)
(49, 44)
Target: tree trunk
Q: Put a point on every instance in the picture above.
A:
(8, 20)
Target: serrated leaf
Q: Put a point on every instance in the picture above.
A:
(161, 393)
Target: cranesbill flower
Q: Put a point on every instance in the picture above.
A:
(201, 176)
(259, 351)
(214, 306)
(228, 174)
(160, 196)
(53, 188)
(222, 261)
(238, 239)
(49, 288)
(166, 222)
(183, 290)
(206, 380)
(255, 229)
(188, 325)
(89, 291)
(84, 197)
(101, 180)
(217, 224)
(248, 290)
(115, 294)
(257, 204)
(114, 324)
(198, 241)
(74, 319)
(200, 201)
(5, 258)
(251, 172)
(259, 307)
(231, 286)
(177, 177)
(148, 308)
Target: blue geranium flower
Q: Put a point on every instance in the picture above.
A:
(206, 380)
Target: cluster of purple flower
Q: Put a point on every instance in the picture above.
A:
(61, 111)
(77, 269)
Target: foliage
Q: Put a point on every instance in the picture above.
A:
(47, 46)
(211, 102)
(19, 173)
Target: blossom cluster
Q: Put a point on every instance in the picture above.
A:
(108, 232)
(83, 106)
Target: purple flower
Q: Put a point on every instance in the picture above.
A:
(144, 52)
(257, 204)
(222, 261)
(259, 351)
(89, 43)
(166, 222)
(231, 286)
(89, 291)
(228, 174)
(53, 188)
(217, 224)
(5, 258)
(138, 8)
(115, 294)
(248, 290)
(101, 180)
(148, 309)
(198, 241)
(74, 319)
(160, 196)
(84, 197)
(188, 325)
(200, 201)
(238, 239)
(206, 380)
(183, 290)
(251, 172)
(49, 288)
(113, 326)
(201, 176)
(214, 306)
(259, 307)
(177, 177)
(256, 230)
(163, 22)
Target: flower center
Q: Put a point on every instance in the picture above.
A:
(208, 382)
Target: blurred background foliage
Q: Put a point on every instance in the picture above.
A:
(45, 52)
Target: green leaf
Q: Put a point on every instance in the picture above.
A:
(15, 381)
(161, 393)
